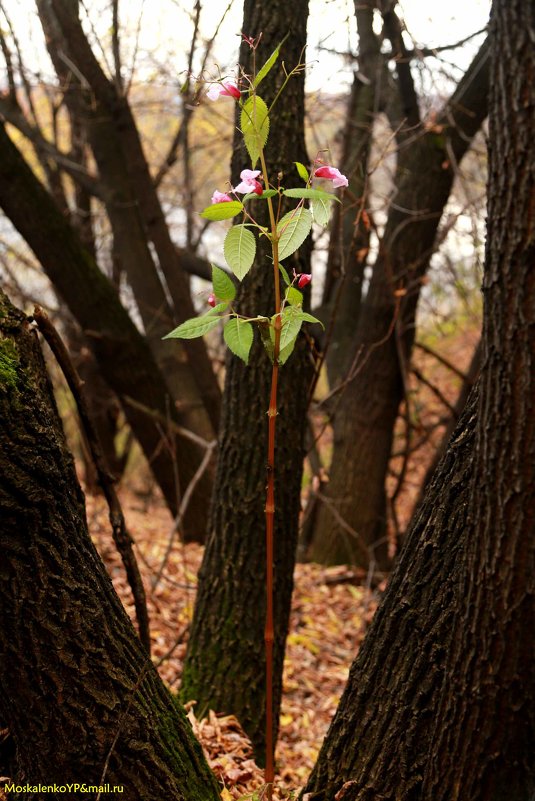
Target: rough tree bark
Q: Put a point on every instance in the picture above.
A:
(224, 667)
(75, 684)
(365, 416)
(440, 703)
(134, 210)
(120, 350)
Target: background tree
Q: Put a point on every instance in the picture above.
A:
(440, 701)
(224, 668)
(372, 338)
(81, 698)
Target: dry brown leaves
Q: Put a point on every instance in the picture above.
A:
(328, 621)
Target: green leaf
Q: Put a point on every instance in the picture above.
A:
(222, 211)
(266, 330)
(270, 63)
(313, 194)
(302, 170)
(321, 211)
(218, 308)
(239, 249)
(305, 317)
(285, 276)
(293, 296)
(254, 122)
(286, 352)
(238, 335)
(291, 325)
(263, 196)
(224, 289)
(294, 228)
(193, 328)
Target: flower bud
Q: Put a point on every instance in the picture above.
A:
(304, 279)
(211, 300)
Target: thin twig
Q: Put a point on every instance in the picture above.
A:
(121, 536)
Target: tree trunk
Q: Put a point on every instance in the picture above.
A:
(365, 416)
(440, 703)
(81, 699)
(99, 109)
(225, 664)
(121, 352)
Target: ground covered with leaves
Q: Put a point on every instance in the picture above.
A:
(330, 612)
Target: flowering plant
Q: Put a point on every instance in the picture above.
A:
(286, 233)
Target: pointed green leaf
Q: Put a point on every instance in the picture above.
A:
(222, 211)
(305, 317)
(285, 276)
(294, 228)
(254, 122)
(224, 289)
(291, 325)
(263, 196)
(193, 328)
(313, 194)
(239, 249)
(267, 66)
(218, 308)
(238, 335)
(321, 211)
(265, 333)
(286, 352)
(302, 170)
(293, 296)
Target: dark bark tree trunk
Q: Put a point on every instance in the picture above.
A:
(349, 235)
(440, 703)
(364, 418)
(114, 140)
(121, 352)
(225, 664)
(77, 691)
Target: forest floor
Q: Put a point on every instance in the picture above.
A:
(331, 610)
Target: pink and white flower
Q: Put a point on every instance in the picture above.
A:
(331, 174)
(220, 197)
(249, 183)
(223, 89)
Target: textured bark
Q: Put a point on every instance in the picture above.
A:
(349, 236)
(225, 667)
(106, 117)
(120, 350)
(365, 417)
(134, 209)
(75, 683)
(440, 703)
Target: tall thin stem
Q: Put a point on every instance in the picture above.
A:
(269, 635)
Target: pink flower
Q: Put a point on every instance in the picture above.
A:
(304, 279)
(332, 174)
(224, 89)
(211, 300)
(220, 197)
(249, 183)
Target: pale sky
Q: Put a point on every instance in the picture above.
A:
(165, 31)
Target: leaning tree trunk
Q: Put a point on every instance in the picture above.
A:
(81, 699)
(440, 703)
(121, 352)
(364, 418)
(225, 663)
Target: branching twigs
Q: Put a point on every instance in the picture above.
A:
(121, 537)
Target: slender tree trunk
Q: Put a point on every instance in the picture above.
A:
(121, 352)
(106, 118)
(440, 703)
(365, 416)
(134, 207)
(224, 667)
(80, 697)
